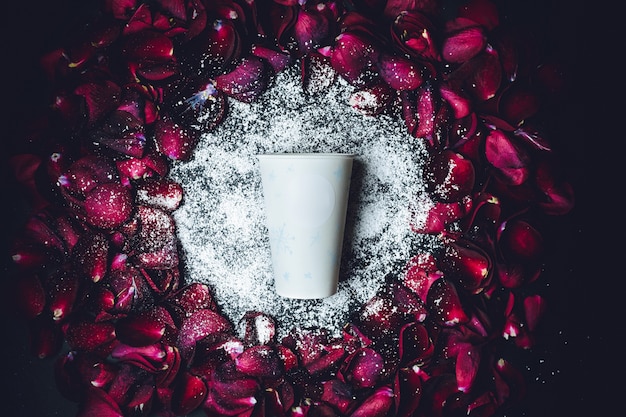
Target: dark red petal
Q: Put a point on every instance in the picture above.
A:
(467, 363)
(155, 241)
(247, 81)
(467, 264)
(376, 405)
(451, 176)
(440, 215)
(371, 101)
(534, 309)
(408, 390)
(487, 78)
(30, 297)
(260, 328)
(98, 403)
(464, 44)
(483, 12)
(193, 297)
(445, 304)
(198, 325)
(310, 28)
(520, 241)
(86, 173)
(508, 158)
(62, 288)
(415, 345)
(459, 102)
(46, 337)
(148, 45)
(363, 368)
(421, 272)
(100, 98)
(173, 140)
(189, 393)
(400, 73)
(86, 335)
(517, 103)
(160, 193)
(145, 328)
(120, 132)
(558, 193)
(90, 255)
(278, 60)
(151, 358)
(509, 382)
(260, 361)
(338, 394)
(351, 55)
(108, 205)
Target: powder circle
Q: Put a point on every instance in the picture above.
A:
(221, 223)
(310, 200)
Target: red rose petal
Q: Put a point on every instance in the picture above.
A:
(107, 206)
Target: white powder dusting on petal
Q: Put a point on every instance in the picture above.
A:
(221, 225)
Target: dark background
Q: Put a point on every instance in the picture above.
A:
(577, 369)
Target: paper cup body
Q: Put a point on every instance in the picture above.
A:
(306, 198)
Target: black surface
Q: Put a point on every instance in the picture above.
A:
(579, 364)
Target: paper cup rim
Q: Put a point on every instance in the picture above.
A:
(307, 155)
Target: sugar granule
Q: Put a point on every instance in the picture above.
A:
(221, 223)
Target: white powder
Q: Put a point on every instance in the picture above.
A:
(221, 223)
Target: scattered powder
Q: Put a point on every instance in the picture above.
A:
(221, 223)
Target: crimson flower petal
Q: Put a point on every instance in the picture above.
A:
(261, 361)
(362, 369)
(98, 403)
(467, 264)
(198, 325)
(415, 345)
(247, 81)
(508, 158)
(145, 328)
(90, 255)
(400, 73)
(189, 393)
(445, 304)
(173, 140)
(108, 205)
(463, 44)
(377, 404)
(466, 367)
(408, 390)
(451, 176)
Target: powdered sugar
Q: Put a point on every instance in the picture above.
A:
(221, 223)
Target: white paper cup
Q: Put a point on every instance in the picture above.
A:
(306, 197)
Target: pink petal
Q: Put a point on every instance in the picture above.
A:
(459, 102)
